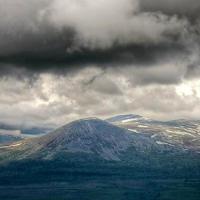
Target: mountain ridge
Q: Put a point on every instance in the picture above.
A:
(89, 136)
(97, 138)
(86, 135)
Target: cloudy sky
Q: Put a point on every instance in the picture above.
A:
(62, 60)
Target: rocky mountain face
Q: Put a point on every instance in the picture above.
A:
(130, 139)
(88, 136)
(182, 133)
(91, 136)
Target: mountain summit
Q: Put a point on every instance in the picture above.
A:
(88, 136)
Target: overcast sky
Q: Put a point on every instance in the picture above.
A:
(62, 60)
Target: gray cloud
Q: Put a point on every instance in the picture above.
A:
(53, 100)
(65, 59)
(189, 8)
(55, 34)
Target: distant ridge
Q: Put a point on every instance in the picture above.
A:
(119, 118)
(90, 136)
(131, 140)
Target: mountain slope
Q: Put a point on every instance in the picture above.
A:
(182, 133)
(8, 138)
(88, 156)
(86, 136)
(89, 137)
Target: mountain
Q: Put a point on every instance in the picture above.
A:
(25, 130)
(95, 159)
(183, 133)
(35, 131)
(92, 137)
(135, 143)
(5, 139)
(9, 138)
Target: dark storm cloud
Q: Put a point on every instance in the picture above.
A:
(187, 8)
(117, 55)
(62, 34)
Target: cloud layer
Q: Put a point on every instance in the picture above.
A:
(75, 32)
(53, 100)
(65, 59)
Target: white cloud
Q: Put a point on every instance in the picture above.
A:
(100, 23)
(97, 24)
(54, 100)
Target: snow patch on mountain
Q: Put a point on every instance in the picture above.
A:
(124, 118)
(163, 143)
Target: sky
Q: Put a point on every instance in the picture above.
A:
(62, 60)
